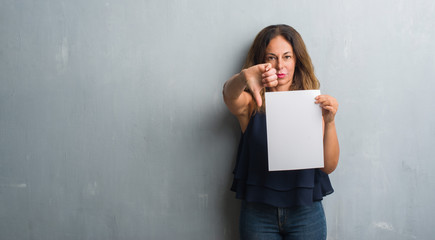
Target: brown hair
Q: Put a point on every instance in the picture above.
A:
(304, 77)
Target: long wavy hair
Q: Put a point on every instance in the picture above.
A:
(304, 77)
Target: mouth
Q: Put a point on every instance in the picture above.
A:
(281, 75)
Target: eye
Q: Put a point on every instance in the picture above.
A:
(288, 57)
(271, 58)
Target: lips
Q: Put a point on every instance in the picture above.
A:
(281, 75)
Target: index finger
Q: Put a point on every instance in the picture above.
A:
(321, 98)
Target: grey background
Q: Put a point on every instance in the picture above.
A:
(112, 124)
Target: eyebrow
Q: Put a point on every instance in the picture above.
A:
(275, 54)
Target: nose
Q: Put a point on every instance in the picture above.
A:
(279, 64)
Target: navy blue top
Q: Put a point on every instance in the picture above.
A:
(254, 183)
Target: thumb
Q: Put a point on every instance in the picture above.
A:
(257, 97)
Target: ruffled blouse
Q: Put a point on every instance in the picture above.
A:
(254, 183)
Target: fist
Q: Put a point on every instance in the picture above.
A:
(258, 77)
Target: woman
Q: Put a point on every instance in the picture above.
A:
(281, 204)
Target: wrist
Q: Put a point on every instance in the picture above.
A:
(242, 78)
(234, 86)
(330, 123)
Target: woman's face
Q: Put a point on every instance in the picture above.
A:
(279, 53)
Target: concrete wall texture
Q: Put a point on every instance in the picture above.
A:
(112, 124)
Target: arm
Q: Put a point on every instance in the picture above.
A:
(239, 102)
(235, 97)
(331, 149)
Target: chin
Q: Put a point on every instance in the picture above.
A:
(284, 81)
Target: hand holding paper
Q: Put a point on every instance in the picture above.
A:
(329, 107)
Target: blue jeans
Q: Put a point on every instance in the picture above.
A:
(260, 221)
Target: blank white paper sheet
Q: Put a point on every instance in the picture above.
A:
(294, 130)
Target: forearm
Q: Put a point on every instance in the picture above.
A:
(234, 87)
(331, 149)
